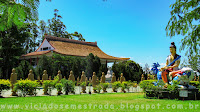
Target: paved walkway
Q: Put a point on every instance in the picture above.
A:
(77, 91)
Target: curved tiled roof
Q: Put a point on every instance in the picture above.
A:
(75, 48)
(36, 53)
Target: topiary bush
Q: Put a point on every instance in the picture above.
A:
(147, 84)
(116, 85)
(59, 86)
(26, 87)
(47, 86)
(104, 86)
(4, 85)
(68, 86)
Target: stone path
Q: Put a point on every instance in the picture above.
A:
(77, 91)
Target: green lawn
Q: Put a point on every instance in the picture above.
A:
(97, 102)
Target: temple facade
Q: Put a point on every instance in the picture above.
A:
(69, 47)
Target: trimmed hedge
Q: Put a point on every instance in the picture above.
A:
(26, 87)
(4, 84)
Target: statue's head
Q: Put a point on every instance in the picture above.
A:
(172, 48)
(13, 70)
(113, 74)
(103, 73)
(71, 72)
(30, 71)
(59, 72)
(94, 73)
(121, 74)
(45, 72)
(83, 73)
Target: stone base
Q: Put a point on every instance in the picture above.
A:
(192, 94)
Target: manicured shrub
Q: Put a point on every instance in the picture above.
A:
(104, 86)
(116, 85)
(59, 87)
(147, 84)
(4, 85)
(68, 86)
(98, 88)
(47, 86)
(195, 83)
(26, 87)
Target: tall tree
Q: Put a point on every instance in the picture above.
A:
(12, 48)
(185, 17)
(131, 70)
(57, 28)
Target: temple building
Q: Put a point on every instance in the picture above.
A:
(68, 47)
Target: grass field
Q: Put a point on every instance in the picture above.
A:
(115, 102)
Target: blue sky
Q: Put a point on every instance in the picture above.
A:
(122, 28)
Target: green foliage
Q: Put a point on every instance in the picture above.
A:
(116, 84)
(98, 88)
(131, 70)
(4, 85)
(59, 86)
(173, 87)
(11, 48)
(23, 69)
(17, 12)
(57, 28)
(83, 84)
(47, 85)
(93, 64)
(184, 21)
(124, 85)
(26, 87)
(147, 84)
(68, 86)
(194, 83)
(68, 63)
(104, 86)
(44, 63)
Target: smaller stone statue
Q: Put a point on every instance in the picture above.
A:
(31, 75)
(103, 78)
(71, 76)
(122, 78)
(13, 80)
(59, 75)
(94, 82)
(44, 76)
(113, 78)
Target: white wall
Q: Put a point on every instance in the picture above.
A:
(45, 44)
